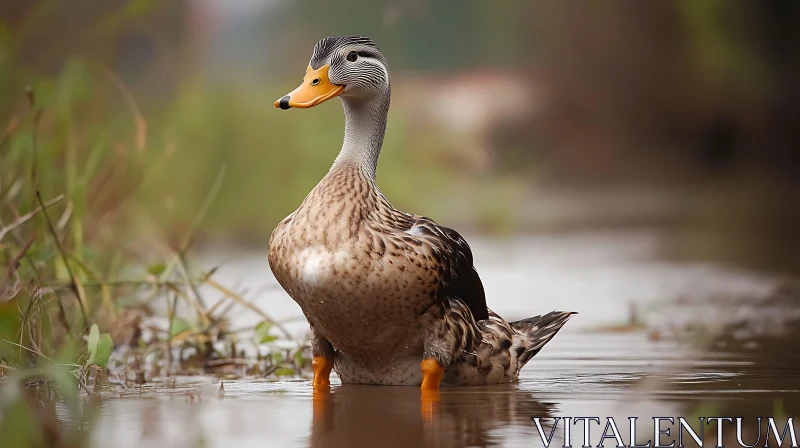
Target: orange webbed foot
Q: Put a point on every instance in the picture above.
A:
(321, 383)
(432, 373)
(322, 371)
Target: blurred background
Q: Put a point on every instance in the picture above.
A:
(532, 117)
(637, 162)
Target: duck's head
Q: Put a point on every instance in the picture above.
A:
(347, 66)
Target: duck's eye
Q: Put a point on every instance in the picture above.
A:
(352, 56)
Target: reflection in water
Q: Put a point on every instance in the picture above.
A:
(356, 415)
(582, 374)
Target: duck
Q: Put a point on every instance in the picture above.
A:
(392, 298)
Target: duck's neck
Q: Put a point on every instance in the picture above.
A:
(365, 126)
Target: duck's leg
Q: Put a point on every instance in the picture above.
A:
(449, 330)
(323, 354)
(432, 373)
(322, 351)
(437, 355)
(322, 366)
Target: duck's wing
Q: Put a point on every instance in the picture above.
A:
(453, 256)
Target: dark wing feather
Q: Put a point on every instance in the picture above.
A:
(463, 280)
(465, 284)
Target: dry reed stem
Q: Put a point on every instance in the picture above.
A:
(74, 284)
(26, 217)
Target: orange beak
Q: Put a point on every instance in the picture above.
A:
(315, 89)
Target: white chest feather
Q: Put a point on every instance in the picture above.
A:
(317, 265)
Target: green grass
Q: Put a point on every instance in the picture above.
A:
(80, 273)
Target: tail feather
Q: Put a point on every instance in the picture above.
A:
(499, 349)
(537, 331)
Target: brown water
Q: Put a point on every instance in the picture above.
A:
(708, 341)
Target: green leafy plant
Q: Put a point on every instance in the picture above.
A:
(100, 347)
(262, 332)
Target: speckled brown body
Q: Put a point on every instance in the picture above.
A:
(376, 287)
